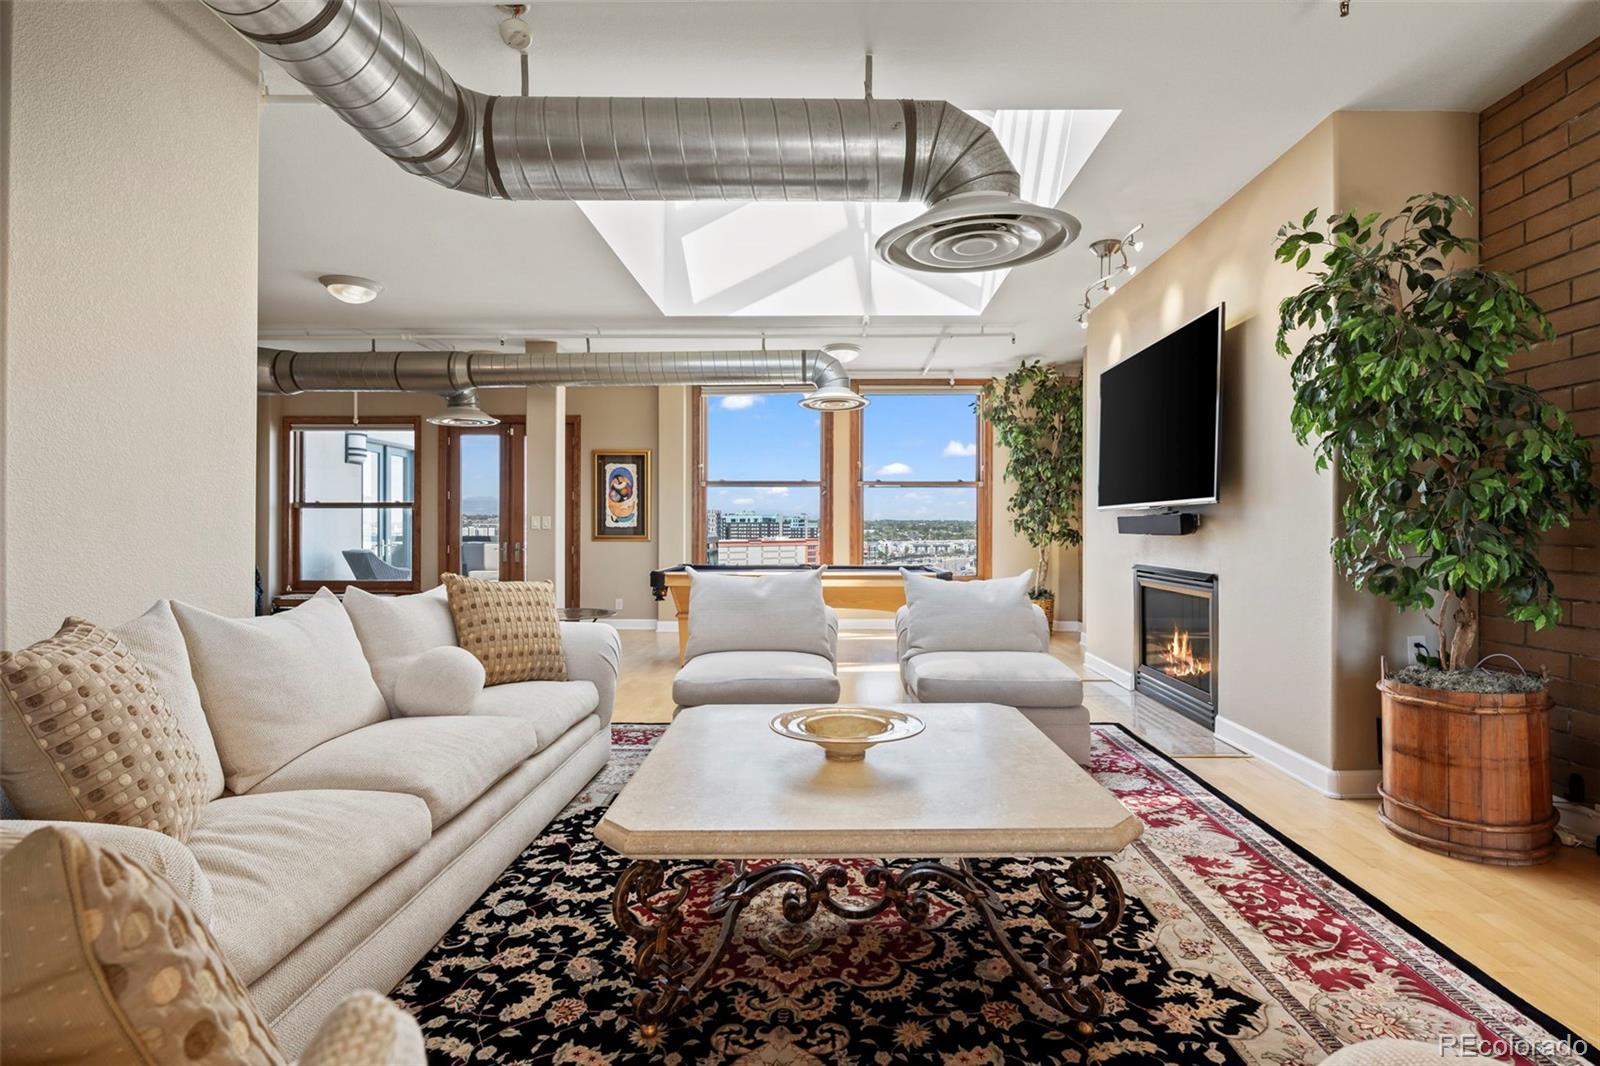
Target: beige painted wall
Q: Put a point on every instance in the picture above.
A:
(617, 419)
(1297, 652)
(130, 305)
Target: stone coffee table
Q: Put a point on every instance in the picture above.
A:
(979, 782)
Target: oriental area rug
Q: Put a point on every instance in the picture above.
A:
(1235, 947)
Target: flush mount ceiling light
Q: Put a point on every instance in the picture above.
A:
(350, 289)
(1106, 250)
(843, 351)
(462, 411)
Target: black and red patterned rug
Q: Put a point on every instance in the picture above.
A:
(1236, 948)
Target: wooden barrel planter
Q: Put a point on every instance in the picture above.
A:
(1467, 774)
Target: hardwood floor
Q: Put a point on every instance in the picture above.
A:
(1534, 929)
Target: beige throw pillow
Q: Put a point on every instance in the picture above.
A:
(993, 615)
(511, 626)
(105, 964)
(275, 687)
(367, 1029)
(757, 612)
(86, 736)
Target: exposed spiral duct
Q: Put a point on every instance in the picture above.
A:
(281, 372)
(360, 59)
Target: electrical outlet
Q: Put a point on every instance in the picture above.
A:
(544, 521)
(1411, 647)
(619, 603)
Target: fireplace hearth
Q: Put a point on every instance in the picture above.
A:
(1175, 624)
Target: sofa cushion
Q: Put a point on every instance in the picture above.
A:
(276, 687)
(396, 629)
(157, 642)
(281, 865)
(757, 612)
(511, 626)
(104, 963)
(163, 855)
(1011, 678)
(85, 735)
(755, 677)
(447, 762)
(443, 680)
(551, 707)
(970, 615)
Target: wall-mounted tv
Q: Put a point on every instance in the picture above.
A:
(1160, 417)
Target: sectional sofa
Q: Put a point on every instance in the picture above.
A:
(343, 840)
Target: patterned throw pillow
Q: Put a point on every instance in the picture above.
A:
(106, 964)
(511, 626)
(87, 737)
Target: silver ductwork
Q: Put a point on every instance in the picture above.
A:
(360, 59)
(281, 372)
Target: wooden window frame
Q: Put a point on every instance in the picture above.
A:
(291, 480)
(513, 486)
(984, 483)
(697, 444)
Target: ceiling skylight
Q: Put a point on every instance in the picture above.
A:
(795, 259)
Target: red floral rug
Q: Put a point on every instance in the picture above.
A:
(1236, 947)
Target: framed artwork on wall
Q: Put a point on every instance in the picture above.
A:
(621, 494)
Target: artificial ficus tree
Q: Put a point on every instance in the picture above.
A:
(1037, 413)
(1454, 470)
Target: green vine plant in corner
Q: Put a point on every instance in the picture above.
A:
(1037, 413)
(1454, 471)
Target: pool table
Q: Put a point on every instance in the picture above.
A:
(869, 588)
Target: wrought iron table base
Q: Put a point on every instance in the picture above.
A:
(1067, 976)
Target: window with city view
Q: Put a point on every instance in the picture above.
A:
(920, 475)
(761, 475)
(352, 505)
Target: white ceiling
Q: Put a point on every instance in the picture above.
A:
(1210, 92)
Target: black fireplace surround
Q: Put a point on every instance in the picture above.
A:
(1175, 624)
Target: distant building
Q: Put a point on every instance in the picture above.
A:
(775, 552)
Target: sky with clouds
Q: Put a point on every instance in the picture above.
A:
(754, 437)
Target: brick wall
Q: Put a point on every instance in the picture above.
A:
(1540, 216)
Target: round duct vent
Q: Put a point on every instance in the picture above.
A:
(462, 411)
(978, 231)
(833, 398)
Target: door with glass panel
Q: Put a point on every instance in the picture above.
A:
(483, 526)
(350, 515)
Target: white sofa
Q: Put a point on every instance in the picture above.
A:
(341, 868)
(1036, 683)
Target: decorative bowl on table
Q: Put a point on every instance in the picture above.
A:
(845, 733)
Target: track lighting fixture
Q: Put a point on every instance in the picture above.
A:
(1106, 250)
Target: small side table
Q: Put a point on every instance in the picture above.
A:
(583, 614)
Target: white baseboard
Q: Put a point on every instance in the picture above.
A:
(667, 627)
(866, 623)
(1338, 784)
(1069, 627)
(630, 623)
(1107, 670)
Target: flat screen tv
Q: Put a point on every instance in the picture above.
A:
(1160, 416)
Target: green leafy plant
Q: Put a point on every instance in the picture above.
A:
(1037, 413)
(1454, 471)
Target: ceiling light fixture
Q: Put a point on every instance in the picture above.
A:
(1107, 249)
(843, 351)
(350, 289)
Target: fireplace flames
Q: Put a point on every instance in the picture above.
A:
(1181, 660)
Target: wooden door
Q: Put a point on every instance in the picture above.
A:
(574, 510)
(483, 527)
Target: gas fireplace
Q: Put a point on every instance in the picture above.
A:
(1175, 615)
